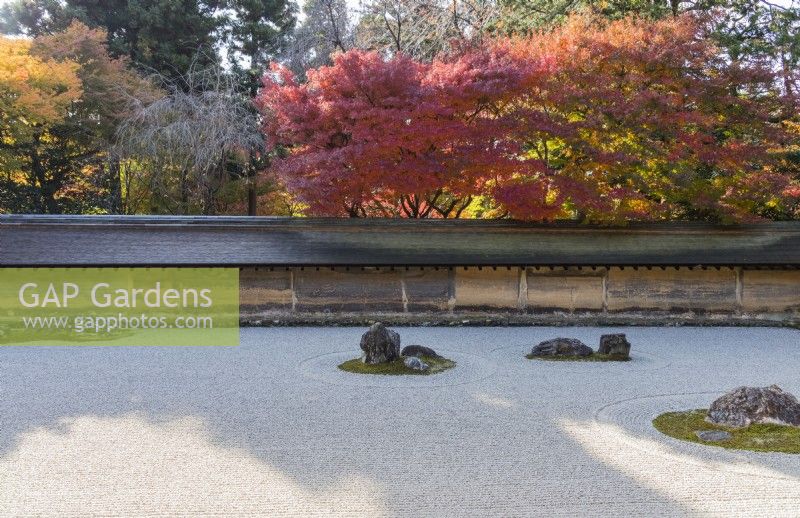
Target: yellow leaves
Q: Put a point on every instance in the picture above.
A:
(793, 130)
(637, 205)
(477, 207)
(552, 195)
(35, 90)
(19, 177)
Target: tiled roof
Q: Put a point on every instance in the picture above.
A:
(266, 241)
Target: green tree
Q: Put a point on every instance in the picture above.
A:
(257, 31)
(162, 35)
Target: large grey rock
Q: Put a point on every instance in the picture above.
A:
(746, 405)
(562, 347)
(418, 350)
(380, 345)
(412, 362)
(615, 345)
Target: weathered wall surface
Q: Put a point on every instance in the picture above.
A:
(519, 295)
(356, 270)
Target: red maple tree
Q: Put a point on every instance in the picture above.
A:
(600, 121)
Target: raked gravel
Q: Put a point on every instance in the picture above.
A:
(272, 428)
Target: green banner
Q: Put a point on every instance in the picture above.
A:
(119, 306)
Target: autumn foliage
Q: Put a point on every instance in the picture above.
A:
(36, 88)
(599, 121)
(61, 97)
(378, 137)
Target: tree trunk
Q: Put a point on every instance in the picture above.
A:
(115, 186)
(788, 93)
(184, 192)
(47, 202)
(252, 198)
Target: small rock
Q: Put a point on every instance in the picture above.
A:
(412, 362)
(562, 347)
(380, 345)
(713, 435)
(615, 345)
(418, 350)
(746, 405)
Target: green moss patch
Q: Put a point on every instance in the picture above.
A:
(596, 357)
(397, 367)
(756, 437)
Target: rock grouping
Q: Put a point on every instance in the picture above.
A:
(418, 350)
(562, 347)
(614, 345)
(744, 406)
(380, 345)
(412, 362)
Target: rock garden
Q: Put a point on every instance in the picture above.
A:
(613, 348)
(762, 419)
(765, 419)
(381, 354)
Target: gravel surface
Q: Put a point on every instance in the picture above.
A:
(273, 428)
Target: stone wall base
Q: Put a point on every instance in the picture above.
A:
(520, 296)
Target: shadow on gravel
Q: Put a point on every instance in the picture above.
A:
(489, 447)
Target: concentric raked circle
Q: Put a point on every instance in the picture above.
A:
(635, 416)
(470, 368)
